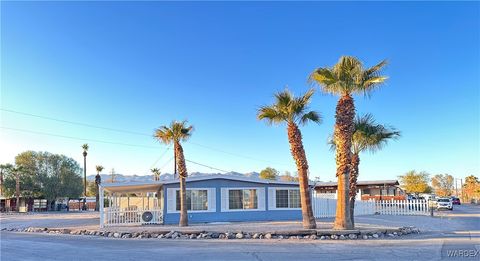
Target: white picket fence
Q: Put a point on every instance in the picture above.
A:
(117, 217)
(326, 207)
(402, 207)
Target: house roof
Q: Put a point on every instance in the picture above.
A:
(360, 183)
(156, 185)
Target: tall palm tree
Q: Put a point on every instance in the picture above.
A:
(176, 133)
(345, 78)
(85, 149)
(98, 181)
(156, 174)
(294, 111)
(368, 136)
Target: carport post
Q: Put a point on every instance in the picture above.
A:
(100, 188)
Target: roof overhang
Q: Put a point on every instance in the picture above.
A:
(132, 187)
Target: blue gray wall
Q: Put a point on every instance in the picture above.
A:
(219, 216)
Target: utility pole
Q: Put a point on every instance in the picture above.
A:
(461, 187)
(1, 180)
(456, 188)
(85, 149)
(113, 174)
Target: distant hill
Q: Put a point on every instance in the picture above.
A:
(167, 176)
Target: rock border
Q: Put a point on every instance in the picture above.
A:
(311, 234)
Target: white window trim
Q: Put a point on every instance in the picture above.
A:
(273, 198)
(212, 196)
(260, 199)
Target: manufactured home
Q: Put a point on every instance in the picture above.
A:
(212, 198)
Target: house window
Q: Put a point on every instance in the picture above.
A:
(242, 199)
(196, 200)
(287, 198)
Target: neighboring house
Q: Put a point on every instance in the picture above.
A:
(10, 204)
(375, 189)
(213, 198)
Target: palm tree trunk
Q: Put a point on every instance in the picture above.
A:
(344, 128)
(298, 153)
(182, 172)
(353, 184)
(97, 191)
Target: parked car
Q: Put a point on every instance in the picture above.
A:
(444, 203)
(456, 201)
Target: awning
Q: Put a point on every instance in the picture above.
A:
(132, 187)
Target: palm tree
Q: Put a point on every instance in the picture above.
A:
(156, 174)
(294, 111)
(98, 181)
(345, 78)
(85, 149)
(368, 136)
(176, 133)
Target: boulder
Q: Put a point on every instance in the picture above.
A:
(268, 236)
(239, 235)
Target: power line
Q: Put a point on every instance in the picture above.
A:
(75, 122)
(166, 163)
(77, 138)
(161, 156)
(237, 155)
(210, 167)
(134, 133)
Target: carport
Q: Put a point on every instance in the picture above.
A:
(131, 204)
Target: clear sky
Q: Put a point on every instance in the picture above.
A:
(136, 66)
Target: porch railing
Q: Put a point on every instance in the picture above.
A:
(118, 217)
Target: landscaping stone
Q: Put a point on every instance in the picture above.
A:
(268, 236)
(334, 237)
(342, 237)
(365, 237)
(352, 236)
(323, 237)
(256, 235)
(239, 235)
(313, 237)
(375, 235)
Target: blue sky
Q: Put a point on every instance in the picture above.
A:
(136, 66)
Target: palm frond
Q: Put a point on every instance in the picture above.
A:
(312, 116)
(176, 132)
(290, 109)
(371, 136)
(348, 76)
(271, 114)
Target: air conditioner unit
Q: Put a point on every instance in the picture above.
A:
(148, 217)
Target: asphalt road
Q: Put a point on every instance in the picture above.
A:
(463, 236)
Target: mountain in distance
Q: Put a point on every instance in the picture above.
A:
(120, 178)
